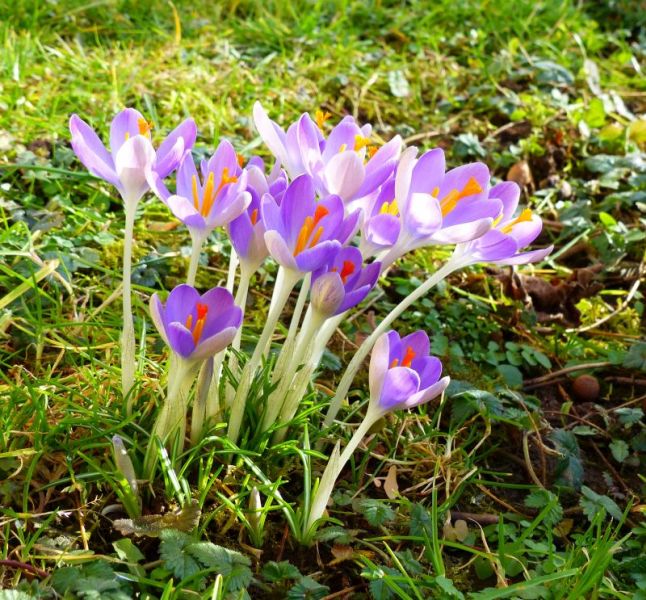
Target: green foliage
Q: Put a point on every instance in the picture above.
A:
(93, 581)
(375, 512)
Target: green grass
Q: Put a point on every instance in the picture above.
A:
(504, 82)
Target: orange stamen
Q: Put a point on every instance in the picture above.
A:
(208, 196)
(319, 213)
(196, 194)
(144, 127)
(450, 201)
(360, 142)
(321, 117)
(394, 363)
(189, 322)
(342, 148)
(254, 216)
(240, 159)
(304, 235)
(408, 357)
(202, 311)
(317, 237)
(347, 270)
(524, 216)
(372, 150)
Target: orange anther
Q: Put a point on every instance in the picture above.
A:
(254, 216)
(408, 357)
(347, 270)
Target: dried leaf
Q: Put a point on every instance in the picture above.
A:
(390, 483)
(185, 519)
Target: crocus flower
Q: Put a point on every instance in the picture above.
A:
(343, 282)
(510, 234)
(302, 234)
(345, 163)
(211, 201)
(424, 205)
(247, 232)
(131, 154)
(402, 374)
(196, 327)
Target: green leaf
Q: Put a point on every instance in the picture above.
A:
(629, 416)
(636, 357)
(93, 581)
(512, 375)
(375, 512)
(539, 499)
(569, 467)
(592, 503)
(421, 523)
(307, 589)
(173, 552)
(620, 450)
(447, 587)
(279, 571)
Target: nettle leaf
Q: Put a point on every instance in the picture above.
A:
(620, 450)
(185, 557)
(279, 571)
(93, 581)
(307, 589)
(636, 357)
(592, 503)
(447, 587)
(375, 512)
(539, 499)
(421, 523)
(379, 588)
(569, 467)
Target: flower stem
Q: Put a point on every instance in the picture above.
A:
(128, 363)
(332, 471)
(357, 360)
(196, 250)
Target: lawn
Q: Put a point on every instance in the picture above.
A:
(524, 479)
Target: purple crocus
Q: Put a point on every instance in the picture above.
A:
(343, 282)
(345, 163)
(196, 327)
(247, 232)
(423, 205)
(212, 200)
(131, 154)
(503, 244)
(402, 374)
(302, 234)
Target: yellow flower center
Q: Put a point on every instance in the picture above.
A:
(321, 117)
(202, 311)
(524, 216)
(210, 193)
(390, 208)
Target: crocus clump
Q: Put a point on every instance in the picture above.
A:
(334, 213)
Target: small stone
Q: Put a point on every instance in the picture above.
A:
(586, 388)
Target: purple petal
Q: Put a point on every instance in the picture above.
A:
(379, 363)
(327, 293)
(400, 383)
(458, 178)
(508, 193)
(429, 369)
(225, 157)
(403, 176)
(473, 210)
(424, 215)
(279, 250)
(344, 174)
(214, 344)
(462, 233)
(418, 342)
(124, 126)
(526, 257)
(133, 160)
(181, 303)
(157, 312)
(91, 151)
(526, 232)
(424, 396)
(180, 339)
(382, 230)
(298, 203)
(343, 135)
(271, 134)
(185, 211)
(428, 171)
(314, 258)
(175, 146)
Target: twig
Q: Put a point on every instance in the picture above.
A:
(482, 519)
(16, 564)
(553, 374)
